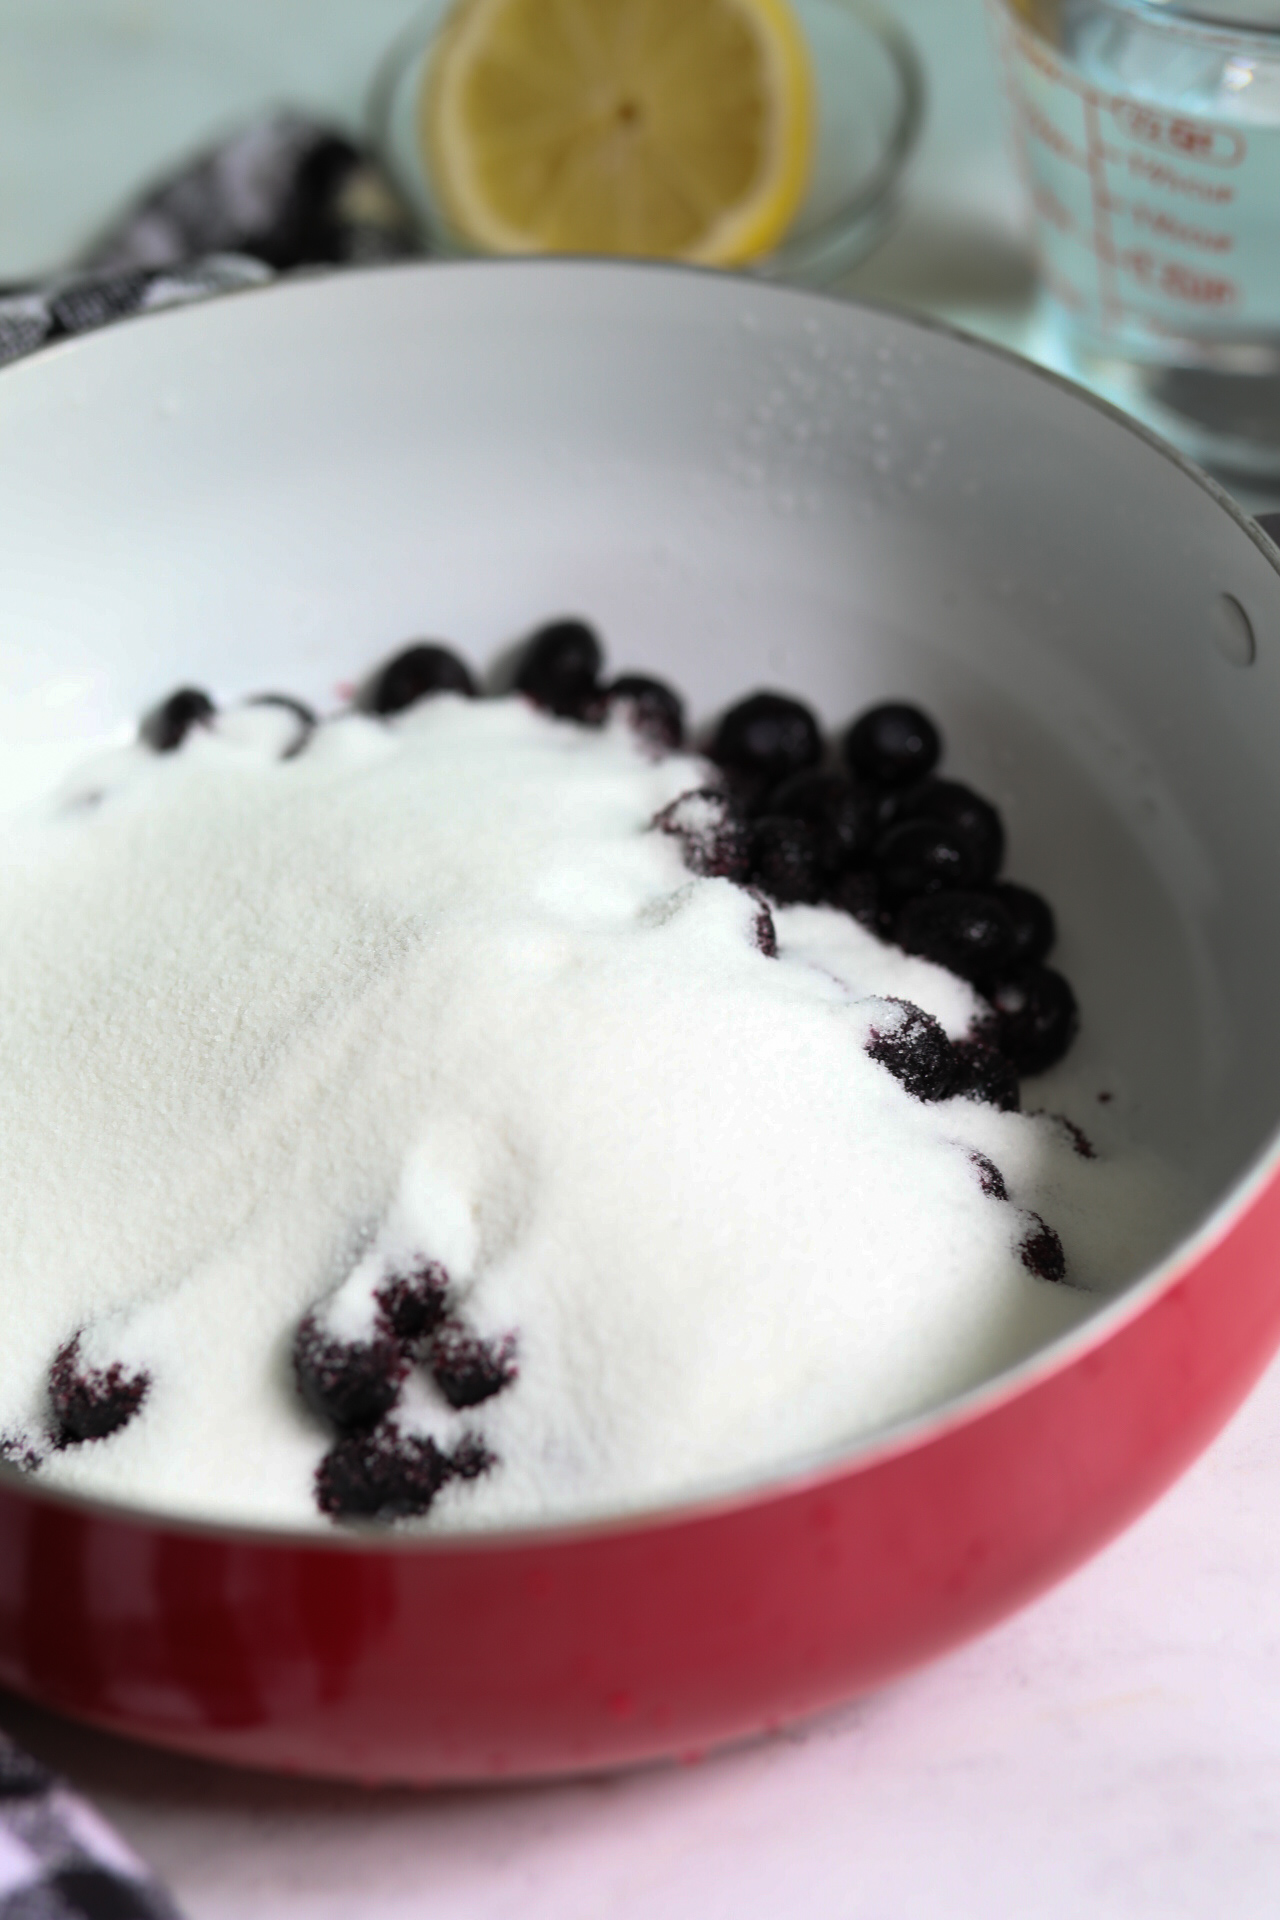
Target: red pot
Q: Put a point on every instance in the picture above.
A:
(1136, 671)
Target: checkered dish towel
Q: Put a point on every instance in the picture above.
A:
(59, 1860)
(283, 192)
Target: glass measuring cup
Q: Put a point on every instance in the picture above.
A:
(1148, 133)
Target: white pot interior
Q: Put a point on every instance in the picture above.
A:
(742, 487)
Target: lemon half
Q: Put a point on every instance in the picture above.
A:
(681, 129)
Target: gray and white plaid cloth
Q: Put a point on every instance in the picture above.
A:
(281, 193)
(59, 1860)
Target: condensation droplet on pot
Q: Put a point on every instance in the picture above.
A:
(1233, 631)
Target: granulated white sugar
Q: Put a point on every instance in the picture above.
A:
(272, 1030)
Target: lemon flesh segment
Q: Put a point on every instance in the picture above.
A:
(681, 129)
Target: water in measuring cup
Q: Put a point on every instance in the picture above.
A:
(1149, 138)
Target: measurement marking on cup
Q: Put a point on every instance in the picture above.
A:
(1105, 243)
(1108, 246)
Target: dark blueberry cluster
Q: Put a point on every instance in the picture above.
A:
(88, 1403)
(374, 1470)
(912, 856)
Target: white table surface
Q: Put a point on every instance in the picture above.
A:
(1113, 1753)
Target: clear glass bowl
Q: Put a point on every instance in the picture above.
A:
(870, 102)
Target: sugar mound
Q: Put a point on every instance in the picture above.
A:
(433, 990)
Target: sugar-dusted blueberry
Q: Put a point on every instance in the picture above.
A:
(1040, 1250)
(964, 813)
(304, 717)
(413, 674)
(412, 1304)
(470, 1458)
(892, 745)
(653, 709)
(1036, 1017)
(714, 840)
(766, 737)
(1034, 928)
(166, 726)
(1080, 1141)
(844, 817)
(353, 1383)
(921, 856)
(912, 1045)
(763, 931)
(983, 1073)
(784, 859)
(380, 1475)
(17, 1451)
(990, 1178)
(468, 1369)
(969, 933)
(91, 1402)
(858, 893)
(560, 668)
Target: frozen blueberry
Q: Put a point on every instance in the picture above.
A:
(412, 675)
(892, 745)
(91, 1402)
(352, 1383)
(1041, 1251)
(651, 707)
(763, 931)
(858, 893)
(1036, 1017)
(990, 1178)
(914, 1048)
(560, 668)
(766, 737)
(715, 842)
(166, 727)
(968, 933)
(302, 713)
(964, 813)
(468, 1369)
(921, 856)
(843, 817)
(784, 859)
(412, 1305)
(983, 1073)
(1034, 929)
(383, 1475)
(470, 1458)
